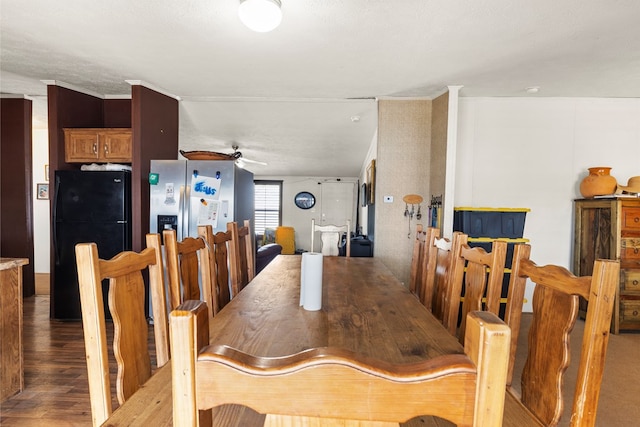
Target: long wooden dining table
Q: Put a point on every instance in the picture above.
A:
(364, 309)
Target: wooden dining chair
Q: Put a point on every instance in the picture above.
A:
(422, 244)
(333, 386)
(126, 299)
(219, 245)
(241, 256)
(555, 310)
(189, 270)
(330, 236)
(443, 283)
(483, 275)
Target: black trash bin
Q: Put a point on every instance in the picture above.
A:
(361, 247)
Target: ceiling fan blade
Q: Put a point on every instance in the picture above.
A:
(255, 162)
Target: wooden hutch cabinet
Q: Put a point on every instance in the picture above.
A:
(100, 145)
(610, 228)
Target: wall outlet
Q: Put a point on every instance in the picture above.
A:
(388, 199)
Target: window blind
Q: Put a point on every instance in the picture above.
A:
(268, 205)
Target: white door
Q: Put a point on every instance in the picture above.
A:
(337, 203)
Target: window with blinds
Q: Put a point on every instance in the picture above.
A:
(268, 205)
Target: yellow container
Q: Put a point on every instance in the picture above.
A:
(285, 237)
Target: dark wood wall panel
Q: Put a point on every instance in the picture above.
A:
(154, 119)
(117, 113)
(16, 188)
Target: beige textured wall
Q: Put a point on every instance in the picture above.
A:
(403, 164)
(439, 144)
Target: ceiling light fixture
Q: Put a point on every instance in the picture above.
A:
(260, 15)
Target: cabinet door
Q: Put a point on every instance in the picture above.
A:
(116, 146)
(80, 146)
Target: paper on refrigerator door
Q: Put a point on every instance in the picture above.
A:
(206, 187)
(311, 281)
(208, 212)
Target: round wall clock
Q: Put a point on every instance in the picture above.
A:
(305, 200)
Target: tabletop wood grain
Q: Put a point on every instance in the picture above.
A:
(365, 309)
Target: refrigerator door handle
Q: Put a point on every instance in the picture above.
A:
(187, 210)
(181, 213)
(56, 195)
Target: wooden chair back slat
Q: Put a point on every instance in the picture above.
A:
(130, 331)
(189, 274)
(246, 234)
(440, 260)
(241, 256)
(416, 261)
(159, 301)
(126, 300)
(467, 389)
(515, 302)
(549, 353)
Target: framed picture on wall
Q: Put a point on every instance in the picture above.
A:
(42, 191)
(371, 182)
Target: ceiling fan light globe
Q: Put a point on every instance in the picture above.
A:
(260, 15)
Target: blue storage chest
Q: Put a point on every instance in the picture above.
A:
(490, 222)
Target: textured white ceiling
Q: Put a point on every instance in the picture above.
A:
(287, 97)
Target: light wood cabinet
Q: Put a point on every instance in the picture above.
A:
(11, 357)
(610, 228)
(100, 145)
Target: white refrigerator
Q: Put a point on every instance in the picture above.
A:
(188, 193)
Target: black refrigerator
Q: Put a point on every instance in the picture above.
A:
(89, 206)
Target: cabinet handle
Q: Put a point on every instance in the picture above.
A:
(106, 148)
(95, 148)
(636, 219)
(635, 251)
(634, 283)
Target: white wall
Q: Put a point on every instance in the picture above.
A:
(41, 217)
(533, 153)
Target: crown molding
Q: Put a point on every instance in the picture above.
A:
(152, 87)
(15, 96)
(72, 87)
(275, 99)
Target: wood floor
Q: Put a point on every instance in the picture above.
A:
(56, 389)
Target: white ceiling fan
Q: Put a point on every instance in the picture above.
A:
(237, 156)
(241, 160)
